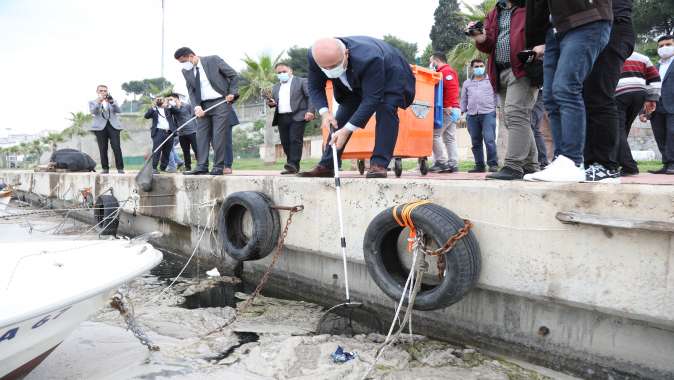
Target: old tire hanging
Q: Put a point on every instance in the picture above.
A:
(106, 215)
(251, 239)
(383, 262)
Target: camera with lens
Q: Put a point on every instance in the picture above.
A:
(475, 29)
(109, 98)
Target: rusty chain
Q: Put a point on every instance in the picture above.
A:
(265, 277)
(440, 252)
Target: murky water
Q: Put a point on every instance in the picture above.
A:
(273, 339)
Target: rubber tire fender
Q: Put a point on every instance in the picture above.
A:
(462, 262)
(104, 207)
(266, 226)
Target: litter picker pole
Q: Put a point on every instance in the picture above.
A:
(340, 215)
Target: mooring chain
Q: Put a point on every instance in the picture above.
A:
(265, 277)
(440, 252)
(119, 303)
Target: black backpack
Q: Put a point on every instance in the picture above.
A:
(72, 160)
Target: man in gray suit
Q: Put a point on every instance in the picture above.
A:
(106, 127)
(290, 97)
(209, 81)
(662, 120)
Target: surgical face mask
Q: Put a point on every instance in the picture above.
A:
(172, 103)
(283, 77)
(335, 72)
(666, 51)
(479, 71)
(433, 66)
(187, 65)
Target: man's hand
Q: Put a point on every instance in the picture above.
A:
(199, 111)
(643, 118)
(340, 137)
(539, 50)
(229, 98)
(328, 121)
(271, 102)
(649, 107)
(479, 36)
(309, 116)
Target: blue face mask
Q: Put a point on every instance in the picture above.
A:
(478, 71)
(283, 77)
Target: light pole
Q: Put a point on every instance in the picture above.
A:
(162, 38)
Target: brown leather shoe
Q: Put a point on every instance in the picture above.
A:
(318, 171)
(227, 171)
(376, 171)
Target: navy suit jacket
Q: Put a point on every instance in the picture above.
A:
(377, 72)
(666, 103)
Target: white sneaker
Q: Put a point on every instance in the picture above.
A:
(561, 169)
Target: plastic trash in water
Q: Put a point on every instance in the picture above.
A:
(341, 356)
(213, 273)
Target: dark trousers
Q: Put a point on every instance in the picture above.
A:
(292, 138)
(629, 106)
(187, 141)
(483, 128)
(663, 131)
(603, 130)
(163, 153)
(214, 130)
(537, 115)
(109, 134)
(386, 132)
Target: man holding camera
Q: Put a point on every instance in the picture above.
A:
(503, 38)
(179, 113)
(160, 131)
(209, 81)
(106, 127)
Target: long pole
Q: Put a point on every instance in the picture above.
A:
(162, 38)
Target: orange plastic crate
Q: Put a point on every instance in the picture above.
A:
(415, 134)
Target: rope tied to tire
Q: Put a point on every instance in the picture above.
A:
(403, 216)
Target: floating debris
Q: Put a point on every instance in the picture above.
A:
(341, 356)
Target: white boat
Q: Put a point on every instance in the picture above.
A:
(48, 287)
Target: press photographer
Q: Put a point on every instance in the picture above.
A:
(106, 127)
(160, 131)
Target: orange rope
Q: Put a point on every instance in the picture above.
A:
(404, 219)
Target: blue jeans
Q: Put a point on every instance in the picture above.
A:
(483, 128)
(174, 159)
(569, 57)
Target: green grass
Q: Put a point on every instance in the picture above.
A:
(408, 164)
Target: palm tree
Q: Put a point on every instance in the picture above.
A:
(461, 55)
(52, 139)
(260, 78)
(78, 122)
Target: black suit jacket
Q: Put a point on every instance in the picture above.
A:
(377, 72)
(299, 99)
(220, 75)
(153, 114)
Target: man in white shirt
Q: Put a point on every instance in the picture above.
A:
(160, 131)
(290, 97)
(209, 81)
(662, 120)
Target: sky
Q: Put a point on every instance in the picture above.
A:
(55, 53)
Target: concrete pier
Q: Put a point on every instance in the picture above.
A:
(595, 300)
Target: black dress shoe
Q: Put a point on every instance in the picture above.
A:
(670, 169)
(290, 169)
(628, 172)
(662, 170)
(506, 174)
(105, 171)
(216, 172)
(196, 172)
(477, 169)
(493, 169)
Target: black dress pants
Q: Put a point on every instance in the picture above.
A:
(629, 106)
(162, 154)
(109, 134)
(187, 141)
(602, 137)
(292, 138)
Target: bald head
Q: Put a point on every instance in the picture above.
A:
(329, 52)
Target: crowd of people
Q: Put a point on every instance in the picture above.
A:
(572, 60)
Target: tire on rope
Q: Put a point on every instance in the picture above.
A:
(106, 215)
(462, 269)
(248, 226)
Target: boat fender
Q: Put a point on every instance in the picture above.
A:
(248, 226)
(106, 215)
(438, 224)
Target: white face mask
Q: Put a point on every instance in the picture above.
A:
(666, 52)
(187, 65)
(335, 72)
(172, 103)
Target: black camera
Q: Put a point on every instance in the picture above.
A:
(475, 29)
(109, 98)
(526, 56)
